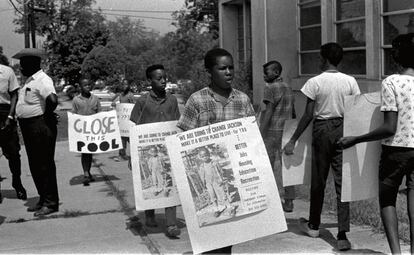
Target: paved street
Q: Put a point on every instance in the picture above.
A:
(100, 218)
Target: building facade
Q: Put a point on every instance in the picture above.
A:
(291, 31)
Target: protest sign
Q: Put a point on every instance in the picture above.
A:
(154, 185)
(360, 162)
(96, 133)
(123, 113)
(296, 168)
(226, 184)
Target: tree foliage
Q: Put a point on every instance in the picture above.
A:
(72, 29)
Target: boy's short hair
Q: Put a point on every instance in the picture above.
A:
(333, 52)
(274, 63)
(403, 50)
(152, 68)
(210, 59)
(203, 149)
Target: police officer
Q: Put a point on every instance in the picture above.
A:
(35, 112)
(9, 139)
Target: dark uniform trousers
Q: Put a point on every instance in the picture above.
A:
(9, 144)
(39, 137)
(326, 155)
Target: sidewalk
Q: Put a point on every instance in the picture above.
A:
(100, 218)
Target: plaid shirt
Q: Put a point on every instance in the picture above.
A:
(204, 108)
(281, 96)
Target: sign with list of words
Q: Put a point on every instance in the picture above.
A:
(226, 184)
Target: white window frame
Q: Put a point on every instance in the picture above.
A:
(383, 45)
(299, 28)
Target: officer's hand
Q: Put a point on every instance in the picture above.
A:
(346, 142)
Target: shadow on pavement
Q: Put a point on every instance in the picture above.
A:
(78, 180)
(9, 193)
(161, 228)
(2, 219)
(31, 201)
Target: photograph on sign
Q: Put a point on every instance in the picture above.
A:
(154, 185)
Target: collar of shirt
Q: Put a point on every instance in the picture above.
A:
(156, 98)
(279, 79)
(216, 96)
(34, 76)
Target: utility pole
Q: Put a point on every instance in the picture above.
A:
(26, 24)
(32, 23)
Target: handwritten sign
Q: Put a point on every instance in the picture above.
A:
(96, 133)
(226, 184)
(296, 168)
(360, 162)
(154, 185)
(123, 113)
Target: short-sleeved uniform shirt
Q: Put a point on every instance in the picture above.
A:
(328, 90)
(151, 108)
(32, 97)
(280, 94)
(8, 83)
(397, 95)
(86, 105)
(204, 107)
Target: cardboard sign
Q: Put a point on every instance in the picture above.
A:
(296, 168)
(360, 162)
(96, 133)
(226, 184)
(123, 112)
(154, 185)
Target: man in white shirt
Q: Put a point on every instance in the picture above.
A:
(325, 105)
(35, 112)
(9, 139)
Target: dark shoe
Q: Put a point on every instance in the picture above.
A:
(150, 222)
(35, 208)
(173, 231)
(45, 211)
(1, 198)
(288, 205)
(344, 245)
(85, 181)
(21, 194)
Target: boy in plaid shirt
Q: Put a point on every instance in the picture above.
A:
(218, 101)
(279, 100)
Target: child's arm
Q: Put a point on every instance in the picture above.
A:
(98, 106)
(303, 124)
(267, 116)
(387, 129)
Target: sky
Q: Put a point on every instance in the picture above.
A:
(157, 15)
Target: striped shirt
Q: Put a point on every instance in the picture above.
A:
(204, 108)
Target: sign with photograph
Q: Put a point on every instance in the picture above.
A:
(95, 133)
(296, 168)
(226, 184)
(154, 185)
(123, 112)
(360, 162)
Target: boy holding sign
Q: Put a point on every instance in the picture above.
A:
(218, 101)
(86, 104)
(397, 157)
(157, 106)
(325, 102)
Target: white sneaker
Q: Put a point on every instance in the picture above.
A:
(304, 227)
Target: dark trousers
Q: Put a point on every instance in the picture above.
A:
(273, 143)
(326, 154)
(9, 144)
(40, 139)
(170, 215)
(122, 152)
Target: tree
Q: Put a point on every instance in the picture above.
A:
(72, 29)
(106, 63)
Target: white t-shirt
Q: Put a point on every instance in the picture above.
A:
(8, 83)
(328, 90)
(32, 97)
(397, 95)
